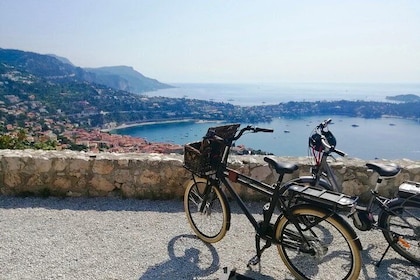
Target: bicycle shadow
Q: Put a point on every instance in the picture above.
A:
(251, 275)
(189, 258)
(390, 268)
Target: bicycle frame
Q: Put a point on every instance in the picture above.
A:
(225, 176)
(322, 168)
(274, 193)
(362, 216)
(292, 231)
(325, 171)
(224, 173)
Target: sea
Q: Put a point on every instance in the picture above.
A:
(367, 139)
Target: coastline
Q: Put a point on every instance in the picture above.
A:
(387, 130)
(137, 124)
(146, 123)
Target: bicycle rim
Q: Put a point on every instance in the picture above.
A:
(207, 211)
(402, 231)
(327, 251)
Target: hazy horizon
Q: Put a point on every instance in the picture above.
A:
(274, 41)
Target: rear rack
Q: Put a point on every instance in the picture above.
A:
(409, 189)
(326, 197)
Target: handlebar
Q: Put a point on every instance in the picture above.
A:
(253, 129)
(260, 129)
(323, 131)
(329, 148)
(340, 153)
(228, 141)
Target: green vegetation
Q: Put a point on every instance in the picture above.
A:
(20, 142)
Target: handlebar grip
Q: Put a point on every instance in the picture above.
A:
(330, 148)
(325, 143)
(325, 123)
(259, 129)
(340, 153)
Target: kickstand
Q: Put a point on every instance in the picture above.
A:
(386, 251)
(257, 258)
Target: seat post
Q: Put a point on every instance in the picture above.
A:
(378, 183)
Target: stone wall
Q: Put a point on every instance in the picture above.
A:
(155, 176)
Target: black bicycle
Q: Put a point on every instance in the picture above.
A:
(312, 239)
(398, 217)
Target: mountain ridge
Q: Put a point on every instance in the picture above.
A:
(126, 78)
(51, 66)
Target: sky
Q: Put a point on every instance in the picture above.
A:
(215, 41)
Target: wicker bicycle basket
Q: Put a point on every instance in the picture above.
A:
(203, 157)
(196, 161)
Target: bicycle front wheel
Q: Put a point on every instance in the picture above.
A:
(318, 244)
(207, 210)
(400, 226)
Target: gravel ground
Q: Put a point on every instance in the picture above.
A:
(108, 238)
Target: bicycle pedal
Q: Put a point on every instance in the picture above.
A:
(254, 261)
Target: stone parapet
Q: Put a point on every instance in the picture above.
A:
(157, 176)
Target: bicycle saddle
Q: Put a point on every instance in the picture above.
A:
(386, 170)
(281, 167)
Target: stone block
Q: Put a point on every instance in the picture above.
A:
(101, 185)
(102, 167)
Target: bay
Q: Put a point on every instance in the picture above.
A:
(385, 138)
(368, 139)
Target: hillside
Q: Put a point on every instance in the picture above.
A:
(36, 87)
(53, 67)
(45, 66)
(125, 78)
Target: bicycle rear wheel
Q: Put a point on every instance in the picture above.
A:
(401, 228)
(207, 210)
(318, 245)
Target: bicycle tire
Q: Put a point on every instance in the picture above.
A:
(211, 223)
(332, 249)
(400, 226)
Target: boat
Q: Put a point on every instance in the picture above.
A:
(355, 125)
